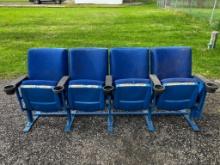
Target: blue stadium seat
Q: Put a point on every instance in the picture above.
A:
(139, 82)
(36, 92)
(129, 69)
(87, 70)
(183, 92)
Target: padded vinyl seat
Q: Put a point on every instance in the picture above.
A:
(129, 70)
(180, 93)
(46, 66)
(40, 95)
(181, 88)
(132, 94)
(86, 95)
(87, 71)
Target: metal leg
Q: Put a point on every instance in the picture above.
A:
(197, 111)
(70, 119)
(149, 121)
(110, 116)
(191, 123)
(30, 121)
(110, 123)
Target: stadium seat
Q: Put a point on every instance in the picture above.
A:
(87, 71)
(129, 68)
(41, 92)
(184, 93)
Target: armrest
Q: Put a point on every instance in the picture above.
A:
(108, 88)
(211, 87)
(11, 88)
(60, 85)
(158, 87)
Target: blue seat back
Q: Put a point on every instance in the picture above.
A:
(47, 63)
(88, 63)
(171, 62)
(129, 63)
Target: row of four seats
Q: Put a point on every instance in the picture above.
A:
(134, 81)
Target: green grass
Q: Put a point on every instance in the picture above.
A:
(14, 1)
(203, 14)
(23, 28)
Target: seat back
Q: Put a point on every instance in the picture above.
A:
(88, 63)
(171, 62)
(129, 63)
(47, 63)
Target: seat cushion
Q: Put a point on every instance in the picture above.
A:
(132, 94)
(38, 95)
(86, 95)
(180, 93)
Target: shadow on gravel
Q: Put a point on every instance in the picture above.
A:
(89, 143)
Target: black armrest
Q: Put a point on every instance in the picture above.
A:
(60, 85)
(108, 88)
(211, 87)
(11, 88)
(158, 87)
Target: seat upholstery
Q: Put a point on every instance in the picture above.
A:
(46, 66)
(180, 93)
(173, 66)
(86, 95)
(129, 69)
(132, 94)
(87, 70)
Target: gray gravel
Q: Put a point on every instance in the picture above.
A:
(89, 143)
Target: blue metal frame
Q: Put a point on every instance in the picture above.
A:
(32, 117)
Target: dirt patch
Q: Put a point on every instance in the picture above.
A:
(173, 142)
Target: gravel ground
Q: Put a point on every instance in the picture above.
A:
(173, 142)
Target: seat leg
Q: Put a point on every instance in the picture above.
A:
(69, 123)
(110, 116)
(149, 121)
(191, 123)
(110, 123)
(30, 121)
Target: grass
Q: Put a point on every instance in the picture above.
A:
(14, 1)
(204, 14)
(23, 28)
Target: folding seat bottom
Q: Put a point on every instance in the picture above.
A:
(38, 95)
(86, 95)
(132, 94)
(180, 93)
